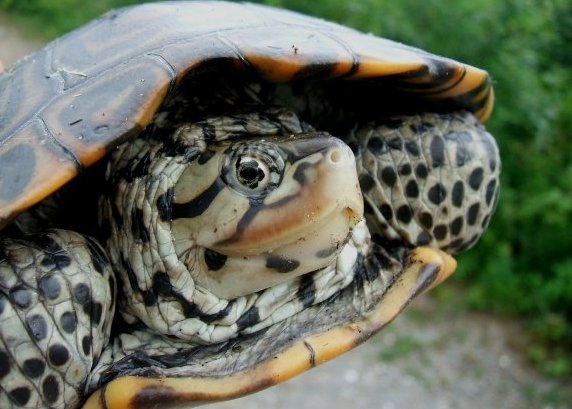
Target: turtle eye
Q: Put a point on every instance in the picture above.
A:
(253, 168)
(252, 172)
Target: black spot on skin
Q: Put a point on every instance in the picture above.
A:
(456, 226)
(116, 214)
(421, 171)
(214, 260)
(141, 168)
(423, 238)
(405, 170)
(325, 253)
(412, 148)
(411, 189)
(388, 176)
(426, 220)
(490, 191)
(164, 205)
(300, 173)
(20, 395)
(206, 156)
(50, 389)
(86, 345)
(21, 296)
(34, 367)
(98, 258)
(248, 319)
(191, 310)
(45, 243)
(437, 150)
(58, 354)
(54, 255)
(161, 284)
(377, 146)
(82, 294)
(437, 194)
(456, 244)
(68, 321)
(306, 293)
(209, 132)
(386, 242)
(37, 327)
(49, 286)
(4, 364)
(96, 313)
(458, 193)
(58, 260)
(395, 144)
(367, 209)
(162, 287)
(404, 214)
(18, 176)
(473, 213)
(149, 298)
(386, 211)
(133, 282)
(440, 231)
(366, 182)
(198, 205)
(282, 265)
(476, 178)
(138, 228)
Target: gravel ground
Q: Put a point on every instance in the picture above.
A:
(434, 356)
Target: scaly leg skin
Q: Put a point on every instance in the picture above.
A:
(57, 295)
(428, 179)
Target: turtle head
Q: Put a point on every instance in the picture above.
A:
(261, 211)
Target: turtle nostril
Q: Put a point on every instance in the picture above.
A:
(335, 156)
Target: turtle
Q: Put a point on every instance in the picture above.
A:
(202, 199)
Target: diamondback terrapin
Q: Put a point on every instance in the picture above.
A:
(231, 231)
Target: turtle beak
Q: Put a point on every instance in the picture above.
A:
(342, 161)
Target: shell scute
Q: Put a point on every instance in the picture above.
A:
(98, 69)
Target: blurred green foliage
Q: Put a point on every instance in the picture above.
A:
(524, 263)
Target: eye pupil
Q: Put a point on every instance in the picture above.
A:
(249, 173)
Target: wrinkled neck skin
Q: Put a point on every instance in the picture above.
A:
(215, 239)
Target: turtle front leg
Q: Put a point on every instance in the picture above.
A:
(428, 179)
(56, 307)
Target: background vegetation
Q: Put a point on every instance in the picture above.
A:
(524, 264)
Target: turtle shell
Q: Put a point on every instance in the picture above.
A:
(68, 104)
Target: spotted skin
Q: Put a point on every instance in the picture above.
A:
(56, 306)
(427, 179)
(143, 206)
